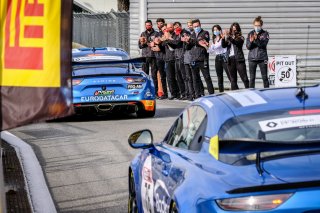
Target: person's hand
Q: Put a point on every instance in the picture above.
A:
(155, 48)
(225, 33)
(203, 43)
(157, 40)
(143, 40)
(253, 37)
(151, 44)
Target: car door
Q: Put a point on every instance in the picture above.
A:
(164, 168)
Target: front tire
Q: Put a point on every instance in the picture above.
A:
(132, 200)
(173, 208)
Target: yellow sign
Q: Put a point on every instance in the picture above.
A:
(214, 147)
(30, 43)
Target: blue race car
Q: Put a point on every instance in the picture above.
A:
(242, 151)
(105, 80)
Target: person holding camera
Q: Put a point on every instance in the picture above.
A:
(221, 55)
(257, 42)
(233, 41)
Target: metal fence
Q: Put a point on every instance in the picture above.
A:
(102, 30)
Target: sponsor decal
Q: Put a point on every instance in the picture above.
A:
(271, 69)
(290, 122)
(134, 86)
(161, 197)
(31, 45)
(104, 98)
(147, 186)
(147, 174)
(104, 92)
(248, 98)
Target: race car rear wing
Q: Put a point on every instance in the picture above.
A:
(137, 62)
(247, 146)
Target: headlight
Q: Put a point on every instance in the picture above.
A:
(135, 80)
(252, 203)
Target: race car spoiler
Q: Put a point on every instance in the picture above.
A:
(249, 146)
(135, 61)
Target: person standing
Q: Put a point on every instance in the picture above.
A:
(221, 55)
(187, 61)
(146, 38)
(233, 41)
(159, 52)
(257, 42)
(168, 42)
(179, 65)
(199, 57)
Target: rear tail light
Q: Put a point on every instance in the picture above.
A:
(253, 203)
(135, 79)
(76, 81)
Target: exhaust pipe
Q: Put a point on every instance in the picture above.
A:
(104, 107)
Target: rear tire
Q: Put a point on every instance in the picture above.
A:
(132, 200)
(142, 113)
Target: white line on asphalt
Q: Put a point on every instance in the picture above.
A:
(36, 185)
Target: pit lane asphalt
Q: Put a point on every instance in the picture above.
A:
(85, 159)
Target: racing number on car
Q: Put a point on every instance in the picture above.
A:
(147, 186)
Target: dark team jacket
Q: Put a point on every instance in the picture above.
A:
(187, 55)
(258, 48)
(170, 46)
(197, 52)
(160, 54)
(179, 47)
(237, 43)
(146, 50)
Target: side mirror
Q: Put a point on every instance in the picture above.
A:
(141, 140)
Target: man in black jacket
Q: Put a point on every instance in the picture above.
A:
(199, 57)
(159, 52)
(169, 43)
(257, 42)
(146, 38)
(179, 54)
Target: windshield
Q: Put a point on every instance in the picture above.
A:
(101, 69)
(289, 125)
(292, 125)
